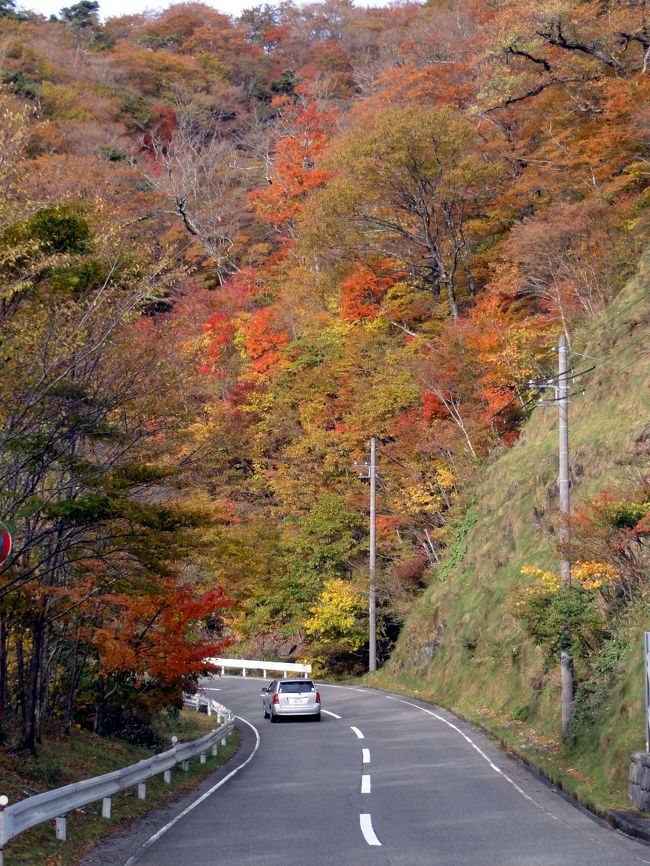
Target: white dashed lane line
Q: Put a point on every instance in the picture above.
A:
(365, 820)
(366, 828)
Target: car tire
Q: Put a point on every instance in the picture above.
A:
(266, 715)
(317, 717)
(274, 718)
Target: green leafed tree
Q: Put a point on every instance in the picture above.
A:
(81, 15)
(8, 10)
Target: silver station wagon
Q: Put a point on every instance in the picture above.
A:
(290, 698)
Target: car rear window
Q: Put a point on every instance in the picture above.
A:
(304, 686)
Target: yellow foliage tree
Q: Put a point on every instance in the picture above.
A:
(337, 624)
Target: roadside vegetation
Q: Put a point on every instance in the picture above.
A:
(78, 754)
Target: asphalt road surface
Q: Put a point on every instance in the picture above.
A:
(380, 781)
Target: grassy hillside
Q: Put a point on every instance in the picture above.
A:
(463, 648)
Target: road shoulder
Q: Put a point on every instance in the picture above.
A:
(129, 838)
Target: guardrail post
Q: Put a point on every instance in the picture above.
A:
(106, 807)
(223, 741)
(264, 674)
(61, 826)
(185, 765)
(285, 674)
(215, 749)
(167, 776)
(243, 672)
(202, 758)
(142, 791)
(5, 824)
(209, 708)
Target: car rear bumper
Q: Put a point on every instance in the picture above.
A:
(311, 710)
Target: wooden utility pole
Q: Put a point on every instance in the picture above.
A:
(372, 587)
(566, 660)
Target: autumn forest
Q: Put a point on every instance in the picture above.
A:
(234, 250)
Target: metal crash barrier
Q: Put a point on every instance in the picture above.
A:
(53, 805)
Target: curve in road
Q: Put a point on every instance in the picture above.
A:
(382, 781)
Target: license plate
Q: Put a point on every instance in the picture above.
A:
(297, 700)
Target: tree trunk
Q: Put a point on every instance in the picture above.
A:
(441, 275)
(22, 693)
(73, 682)
(100, 707)
(471, 285)
(567, 693)
(451, 294)
(3, 676)
(31, 732)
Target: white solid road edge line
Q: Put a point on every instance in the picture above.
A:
(134, 859)
(365, 784)
(330, 713)
(365, 756)
(491, 763)
(366, 828)
(357, 732)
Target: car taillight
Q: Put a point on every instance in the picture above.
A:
(276, 698)
(318, 697)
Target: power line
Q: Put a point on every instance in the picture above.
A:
(607, 358)
(614, 316)
(599, 327)
(394, 459)
(600, 362)
(545, 401)
(548, 380)
(629, 364)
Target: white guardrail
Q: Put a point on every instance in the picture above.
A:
(249, 665)
(53, 805)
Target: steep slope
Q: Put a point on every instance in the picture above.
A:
(463, 647)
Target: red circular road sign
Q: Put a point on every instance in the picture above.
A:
(5, 543)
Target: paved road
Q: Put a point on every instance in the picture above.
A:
(380, 781)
